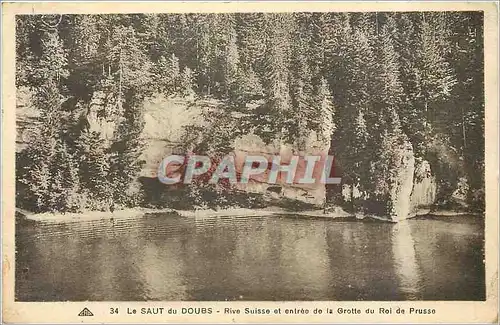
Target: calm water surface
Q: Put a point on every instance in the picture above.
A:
(166, 257)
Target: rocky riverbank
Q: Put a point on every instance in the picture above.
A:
(133, 213)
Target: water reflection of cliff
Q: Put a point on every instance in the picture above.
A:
(362, 267)
(405, 261)
(164, 257)
(450, 255)
(254, 258)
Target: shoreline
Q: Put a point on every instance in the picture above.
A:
(134, 213)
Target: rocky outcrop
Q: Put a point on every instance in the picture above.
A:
(251, 145)
(165, 120)
(104, 114)
(400, 185)
(424, 191)
(402, 182)
(412, 189)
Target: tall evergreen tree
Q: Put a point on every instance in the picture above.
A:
(275, 73)
(465, 116)
(387, 137)
(435, 79)
(301, 93)
(47, 159)
(251, 30)
(353, 72)
(231, 65)
(167, 75)
(126, 151)
(97, 191)
(53, 62)
(322, 38)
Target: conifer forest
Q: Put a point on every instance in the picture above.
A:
(396, 97)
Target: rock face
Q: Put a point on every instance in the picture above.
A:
(424, 188)
(253, 145)
(103, 115)
(412, 187)
(165, 120)
(402, 185)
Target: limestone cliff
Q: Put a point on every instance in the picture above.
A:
(402, 183)
(251, 145)
(403, 188)
(399, 187)
(423, 195)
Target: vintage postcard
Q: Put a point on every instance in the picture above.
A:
(288, 162)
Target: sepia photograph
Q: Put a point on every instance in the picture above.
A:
(249, 157)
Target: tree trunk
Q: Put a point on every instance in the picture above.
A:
(463, 131)
(120, 81)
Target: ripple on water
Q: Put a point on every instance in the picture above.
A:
(168, 257)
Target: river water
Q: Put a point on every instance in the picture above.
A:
(167, 257)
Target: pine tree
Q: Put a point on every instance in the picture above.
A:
(126, 151)
(65, 182)
(322, 32)
(464, 120)
(52, 64)
(275, 74)
(320, 118)
(413, 117)
(231, 66)
(86, 61)
(167, 75)
(27, 48)
(174, 70)
(94, 170)
(186, 82)
(300, 118)
(177, 36)
(248, 88)
(353, 72)
(251, 31)
(129, 64)
(435, 79)
(202, 43)
(85, 39)
(40, 165)
(387, 138)
(41, 152)
(388, 88)
(152, 34)
(130, 83)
